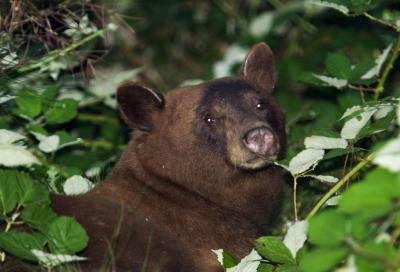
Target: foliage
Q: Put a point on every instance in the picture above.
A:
(338, 82)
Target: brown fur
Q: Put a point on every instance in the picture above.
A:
(174, 195)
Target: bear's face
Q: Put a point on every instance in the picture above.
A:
(233, 118)
(240, 122)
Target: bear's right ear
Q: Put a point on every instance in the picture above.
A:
(138, 105)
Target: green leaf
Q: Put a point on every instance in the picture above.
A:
(8, 191)
(29, 191)
(273, 249)
(38, 216)
(327, 228)
(265, 267)
(383, 250)
(371, 197)
(338, 65)
(62, 111)
(20, 244)
(66, 236)
(322, 259)
(287, 268)
(49, 95)
(29, 103)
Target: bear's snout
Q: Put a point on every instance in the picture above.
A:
(261, 141)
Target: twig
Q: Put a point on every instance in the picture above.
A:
(57, 53)
(296, 217)
(388, 67)
(382, 22)
(339, 185)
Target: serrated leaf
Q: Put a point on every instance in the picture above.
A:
(353, 126)
(20, 244)
(62, 111)
(273, 249)
(66, 236)
(322, 178)
(296, 237)
(38, 216)
(8, 191)
(331, 81)
(77, 185)
(9, 137)
(383, 111)
(49, 144)
(329, 4)
(15, 155)
(389, 156)
(380, 60)
(328, 228)
(52, 260)
(321, 142)
(305, 160)
(338, 66)
(29, 103)
(262, 24)
(370, 198)
(29, 191)
(224, 258)
(249, 263)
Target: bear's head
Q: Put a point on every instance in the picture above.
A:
(235, 117)
(200, 137)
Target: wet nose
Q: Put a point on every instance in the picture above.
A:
(261, 141)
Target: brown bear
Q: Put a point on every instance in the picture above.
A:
(195, 176)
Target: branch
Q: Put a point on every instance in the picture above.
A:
(57, 53)
(340, 184)
(389, 65)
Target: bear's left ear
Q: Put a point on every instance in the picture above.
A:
(258, 67)
(138, 105)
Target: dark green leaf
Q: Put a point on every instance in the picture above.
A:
(338, 66)
(273, 249)
(62, 111)
(66, 236)
(328, 228)
(20, 244)
(38, 216)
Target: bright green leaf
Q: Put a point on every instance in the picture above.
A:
(62, 111)
(322, 259)
(327, 228)
(66, 236)
(29, 103)
(273, 249)
(20, 244)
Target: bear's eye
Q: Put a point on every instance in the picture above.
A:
(261, 105)
(209, 119)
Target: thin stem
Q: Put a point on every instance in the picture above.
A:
(389, 65)
(340, 184)
(57, 53)
(382, 22)
(295, 199)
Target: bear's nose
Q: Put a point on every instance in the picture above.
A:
(261, 141)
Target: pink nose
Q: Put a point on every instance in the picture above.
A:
(261, 141)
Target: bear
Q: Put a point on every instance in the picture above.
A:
(197, 175)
